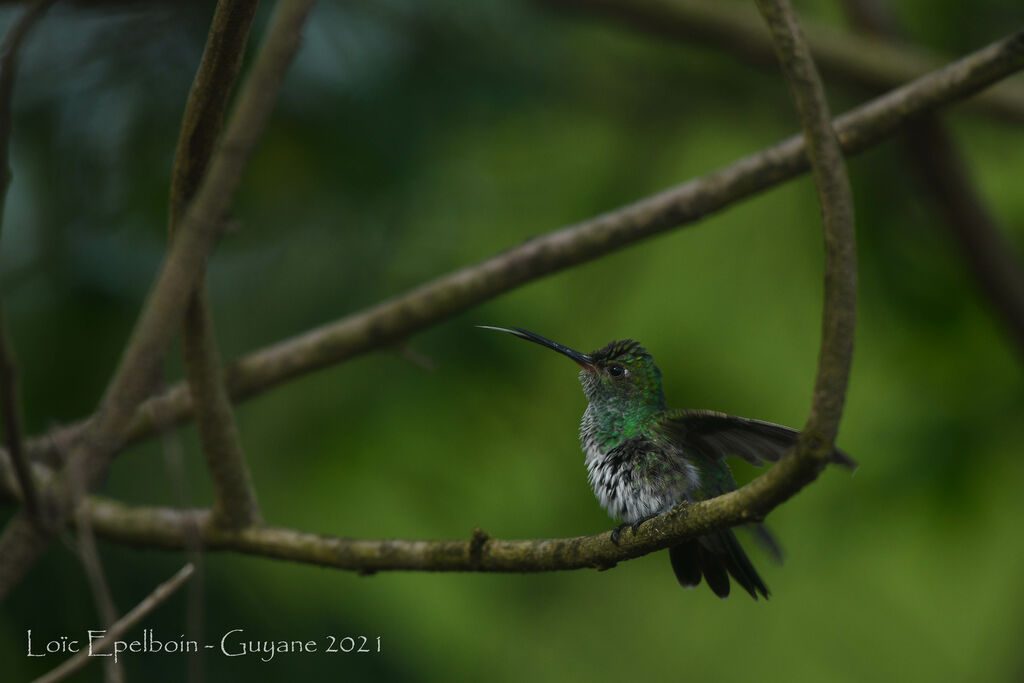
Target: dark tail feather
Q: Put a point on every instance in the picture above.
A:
(685, 559)
(714, 572)
(716, 557)
(728, 550)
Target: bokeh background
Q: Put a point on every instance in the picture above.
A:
(412, 138)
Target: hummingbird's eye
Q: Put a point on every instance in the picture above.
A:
(616, 370)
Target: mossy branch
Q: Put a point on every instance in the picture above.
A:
(175, 529)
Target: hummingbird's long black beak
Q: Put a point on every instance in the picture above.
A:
(581, 358)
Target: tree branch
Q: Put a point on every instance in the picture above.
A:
(168, 528)
(208, 99)
(177, 529)
(871, 63)
(21, 544)
(119, 629)
(235, 502)
(393, 320)
(10, 407)
(836, 201)
(174, 529)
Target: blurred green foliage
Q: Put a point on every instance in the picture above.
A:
(414, 138)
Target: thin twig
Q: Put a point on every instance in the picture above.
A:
(10, 406)
(98, 584)
(85, 545)
(394, 320)
(21, 544)
(865, 62)
(123, 625)
(195, 600)
(235, 503)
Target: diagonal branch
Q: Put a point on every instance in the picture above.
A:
(117, 631)
(89, 554)
(235, 502)
(393, 320)
(21, 544)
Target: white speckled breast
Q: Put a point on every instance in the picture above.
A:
(635, 480)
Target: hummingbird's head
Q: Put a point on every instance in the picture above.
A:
(620, 377)
(623, 373)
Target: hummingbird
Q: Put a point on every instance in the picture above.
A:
(644, 458)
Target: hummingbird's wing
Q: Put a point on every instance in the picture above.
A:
(717, 435)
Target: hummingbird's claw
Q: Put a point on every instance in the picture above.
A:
(618, 530)
(636, 525)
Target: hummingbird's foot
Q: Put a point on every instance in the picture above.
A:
(617, 531)
(636, 524)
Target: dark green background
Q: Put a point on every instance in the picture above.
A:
(414, 138)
